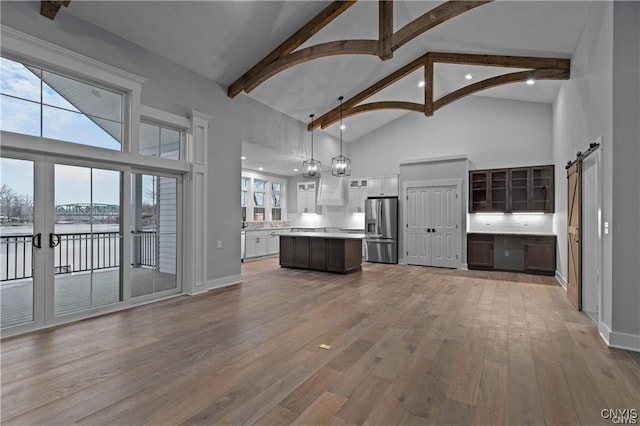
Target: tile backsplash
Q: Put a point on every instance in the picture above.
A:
(266, 225)
(509, 222)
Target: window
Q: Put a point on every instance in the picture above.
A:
(244, 186)
(276, 209)
(40, 103)
(160, 141)
(258, 209)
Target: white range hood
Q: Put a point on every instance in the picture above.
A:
(332, 191)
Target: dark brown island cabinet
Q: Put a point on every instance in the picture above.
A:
(533, 254)
(520, 189)
(318, 251)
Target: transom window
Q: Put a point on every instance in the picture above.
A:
(160, 141)
(41, 103)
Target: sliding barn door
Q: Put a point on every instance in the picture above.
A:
(574, 236)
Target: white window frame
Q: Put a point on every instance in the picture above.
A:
(252, 176)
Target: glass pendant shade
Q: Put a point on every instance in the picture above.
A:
(311, 169)
(341, 165)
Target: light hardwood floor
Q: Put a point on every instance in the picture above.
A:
(410, 345)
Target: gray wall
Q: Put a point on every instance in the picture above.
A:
(491, 132)
(626, 173)
(173, 88)
(602, 99)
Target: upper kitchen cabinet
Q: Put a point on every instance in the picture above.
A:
(306, 197)
(520, 189)
(382, 186)
(357, 195)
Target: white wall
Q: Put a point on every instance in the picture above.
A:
(602, 99)
(491, 132)
(173, 88)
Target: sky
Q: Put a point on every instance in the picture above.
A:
(60, 120)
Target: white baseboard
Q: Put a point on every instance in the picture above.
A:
(613, 339)
(561, 280)
(224, 282)
(464, 266)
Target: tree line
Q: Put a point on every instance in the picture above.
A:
(15, 207)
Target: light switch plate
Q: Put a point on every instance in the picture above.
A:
(606, 228)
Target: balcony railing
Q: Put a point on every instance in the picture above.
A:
(77, 252)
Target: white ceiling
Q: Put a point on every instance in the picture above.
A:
(222, 39)
(265, 160)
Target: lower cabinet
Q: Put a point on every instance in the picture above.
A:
(321, 254)
(540, 255)
(512, 252)
(261, 243)
(480, 251)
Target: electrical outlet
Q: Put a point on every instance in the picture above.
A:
(506, 253)
(219, 244)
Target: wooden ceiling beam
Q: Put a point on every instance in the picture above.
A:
(432, 18)
(332, 48)
(376, 106)
(321, 20)
(515, 77)
(285, 56)
(332, 116)
(49, 9)
(385, 29)
(499, 60)
(541, 69)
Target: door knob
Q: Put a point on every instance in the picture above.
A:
(54, 240)
(36, 240)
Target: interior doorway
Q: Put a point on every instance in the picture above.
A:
(591, 236)
(432, 225)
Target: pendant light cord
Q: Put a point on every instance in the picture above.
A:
(340, 99)
(312, 115)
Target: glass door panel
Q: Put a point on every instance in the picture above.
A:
(16, 242)
(87, 238)
(154, 242)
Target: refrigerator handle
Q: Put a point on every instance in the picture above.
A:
(379, 222)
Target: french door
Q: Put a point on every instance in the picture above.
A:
(433, 231)
(63, 250)
(61, 240)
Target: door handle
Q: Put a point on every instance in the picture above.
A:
(428, 229)
(54, 240)
(36, 240)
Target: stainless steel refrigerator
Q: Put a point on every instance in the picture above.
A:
(381, 229)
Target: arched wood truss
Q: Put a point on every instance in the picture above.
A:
(284, 57)
(49, 9)
(537, 69)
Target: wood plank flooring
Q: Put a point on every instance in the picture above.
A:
(410, 345)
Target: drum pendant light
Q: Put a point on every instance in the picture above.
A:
(341, 165)
(311, 169)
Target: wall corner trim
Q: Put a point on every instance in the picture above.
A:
(561, 280)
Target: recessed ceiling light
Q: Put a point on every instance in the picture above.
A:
(421, 84)
(343, 127)
(243, 158)
(260, 168)
(530, 81)
(468, 76)
(295, 170)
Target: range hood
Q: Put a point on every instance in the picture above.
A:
(332, 191)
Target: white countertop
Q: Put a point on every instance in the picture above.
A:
(533, 234)
(333, 235)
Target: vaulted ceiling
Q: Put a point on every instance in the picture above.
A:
(223, 39)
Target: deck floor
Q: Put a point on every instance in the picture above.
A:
(409, 345)
(73, 292)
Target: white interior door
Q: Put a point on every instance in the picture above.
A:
(590, 238)
(445, 220)
(419, 228)
(433, 226)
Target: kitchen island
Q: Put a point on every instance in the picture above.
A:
(338, 252)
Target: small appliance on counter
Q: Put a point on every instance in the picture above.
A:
(381, 229)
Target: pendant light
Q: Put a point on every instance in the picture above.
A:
(340, 165)
(311, 169)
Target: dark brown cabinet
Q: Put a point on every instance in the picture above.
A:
(540, 255)
(294, 252)
(480, 251)
(520, 189)
(504, 252)
(341, 255)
